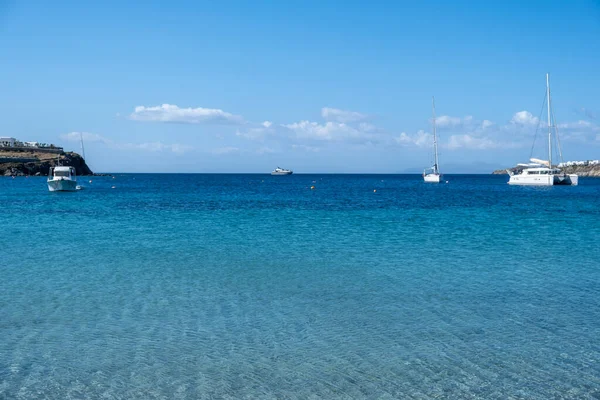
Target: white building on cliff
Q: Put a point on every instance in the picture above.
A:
(7, 142)
(579, 163)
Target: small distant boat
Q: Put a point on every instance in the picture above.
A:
(432, 174)
(541, 172)
(282, 171)
(62, 179)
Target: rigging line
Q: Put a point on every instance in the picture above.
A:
(537, 129)
(557, 136)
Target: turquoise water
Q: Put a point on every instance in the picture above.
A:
(253, 286)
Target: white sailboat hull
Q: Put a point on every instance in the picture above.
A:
(568, 180)
(432, 178)
(574, 179)
(531, 180)
(544, 180)
(432, 175)
(62, 185)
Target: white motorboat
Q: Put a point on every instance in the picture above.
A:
(542, 172)
(281, 171)
(62, 179)
(432, 174)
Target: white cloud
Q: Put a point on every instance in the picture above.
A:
(580, 131)
(365, 127)
(420, 139)
(266, 150)
(253, 134)
(330, 131)
(258, 133)
(172, 113)
(486, 124)
(524, 118)
(333, 129)
(581, 124)
(446, 120)
(343, 116)
(180, 148)
(87, 137)
(155, 147)
(304, 147)
(587, 112)
(146, 146)
(403, 139)
(470, 142)
(225, 150)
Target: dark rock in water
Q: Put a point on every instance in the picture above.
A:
(43, 164)
(12, 171)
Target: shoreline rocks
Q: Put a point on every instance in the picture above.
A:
(39, 163)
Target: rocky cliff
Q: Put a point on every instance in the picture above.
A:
(31, 162)
(581, 170)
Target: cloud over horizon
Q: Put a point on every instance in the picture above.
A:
(328, 131)
(343, 116)
(524, 118)
(447, 121)
(352, 128)
(174, 114)
(145, 146)
(419, 139)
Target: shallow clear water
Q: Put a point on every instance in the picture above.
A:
(253, 286)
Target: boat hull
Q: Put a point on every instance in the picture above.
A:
(544, 180)
(62, 185)
(568, 180)
(282, 173)
(432, 178)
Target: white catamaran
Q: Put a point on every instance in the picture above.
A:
(541, 172)
(433, 174)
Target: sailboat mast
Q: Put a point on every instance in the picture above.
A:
(435, 149)
(549, 123)
(82, 149)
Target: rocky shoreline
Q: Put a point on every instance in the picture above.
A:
(581, 170)
(32, 163)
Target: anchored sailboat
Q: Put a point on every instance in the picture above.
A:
(541, 172)
(432, 174)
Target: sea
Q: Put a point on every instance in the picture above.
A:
(251, 286)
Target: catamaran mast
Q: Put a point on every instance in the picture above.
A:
(435, 149)
(82, 148)
(549, 124)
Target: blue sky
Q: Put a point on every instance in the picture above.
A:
(316, 86)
